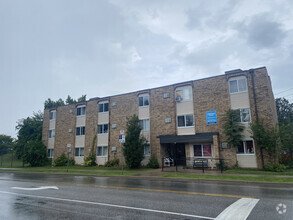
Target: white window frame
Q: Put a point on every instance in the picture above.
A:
(52, 133)
(53, 112)
(103, 129)
(50, 153)
(145, 124)
(103, 103)
(241, 116)
(245, 148)
(79, 154)
(81, 128)
(81, 112)
(179, 92)
(144, 150)
(104, 152)
(237, 83)
(202, 150)
(143, 96)
(185, 121)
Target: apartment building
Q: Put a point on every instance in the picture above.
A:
(182, 120)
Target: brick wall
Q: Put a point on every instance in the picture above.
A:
(64, 121)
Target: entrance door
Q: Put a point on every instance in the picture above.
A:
(180, 154)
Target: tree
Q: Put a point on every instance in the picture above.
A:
(284, 111)
(264, 138)
(29, 145)
(90, 160)
(69, 100)
(233, 128)
(6, 143)
(49, 103)
(134, 143)
(285, 119)
(82, 98)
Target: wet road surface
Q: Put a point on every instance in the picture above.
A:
(53, 196)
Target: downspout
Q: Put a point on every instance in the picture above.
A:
(251, 71)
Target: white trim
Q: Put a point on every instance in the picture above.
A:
(236, 79)
(212, 149)
(246, 154)
(185, 121)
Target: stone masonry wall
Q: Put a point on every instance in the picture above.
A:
(126, 106)
(45, 130)
(91, 126)
(64, 121)
(160, 109)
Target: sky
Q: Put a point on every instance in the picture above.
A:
(55, 48)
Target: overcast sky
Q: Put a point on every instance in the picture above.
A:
(55, 48)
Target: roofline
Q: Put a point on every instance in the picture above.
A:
(174, 85)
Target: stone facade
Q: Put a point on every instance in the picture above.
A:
(209, 94)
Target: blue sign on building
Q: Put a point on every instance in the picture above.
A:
(211, 117)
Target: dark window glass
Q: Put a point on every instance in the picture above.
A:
(106, 107)
(140, 101)
(197, 150)
(181, 121)
(189, 120)
(105, 128)
(240, 148)
(146, 100)
(249, 147)
(100, 129)
(76, 152)
(78, 111)
(78, 131)
(101, 108)
(99, 151)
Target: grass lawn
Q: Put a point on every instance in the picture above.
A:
(241, 178)
(5, 161)
(258, 172)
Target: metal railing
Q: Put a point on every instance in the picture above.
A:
(194, 163)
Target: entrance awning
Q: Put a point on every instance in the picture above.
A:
(196, 138)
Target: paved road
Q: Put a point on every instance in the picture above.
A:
(48, 196)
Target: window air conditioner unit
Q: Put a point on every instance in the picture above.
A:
(69, 130)
(114, 126)
(114, 104)
(166, 95)
(178, 99)
(70, 111)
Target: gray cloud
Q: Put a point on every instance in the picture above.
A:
(262, 33)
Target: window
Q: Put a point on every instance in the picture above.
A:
(202, 150)
(184, 94)
(79, 152)
(185, 121)
(238, 85)
(50, 153)
(52, 133)
(80, 131)
(243, 115)
(145, 124)
(246, 147)
(143, 100)
(146, 150)
(103, 129)
(102, 151)
(53, 115)
(104, 107)
(80, 110)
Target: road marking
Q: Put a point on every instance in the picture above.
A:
(130, 188)
(36, 188)
(239, 210)
(109, 205)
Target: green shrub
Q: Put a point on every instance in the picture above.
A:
(153, 163)
(61, 161)
(71, 162)
(275, 167)
(90, 160)
(112, 163)
(225, 166)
